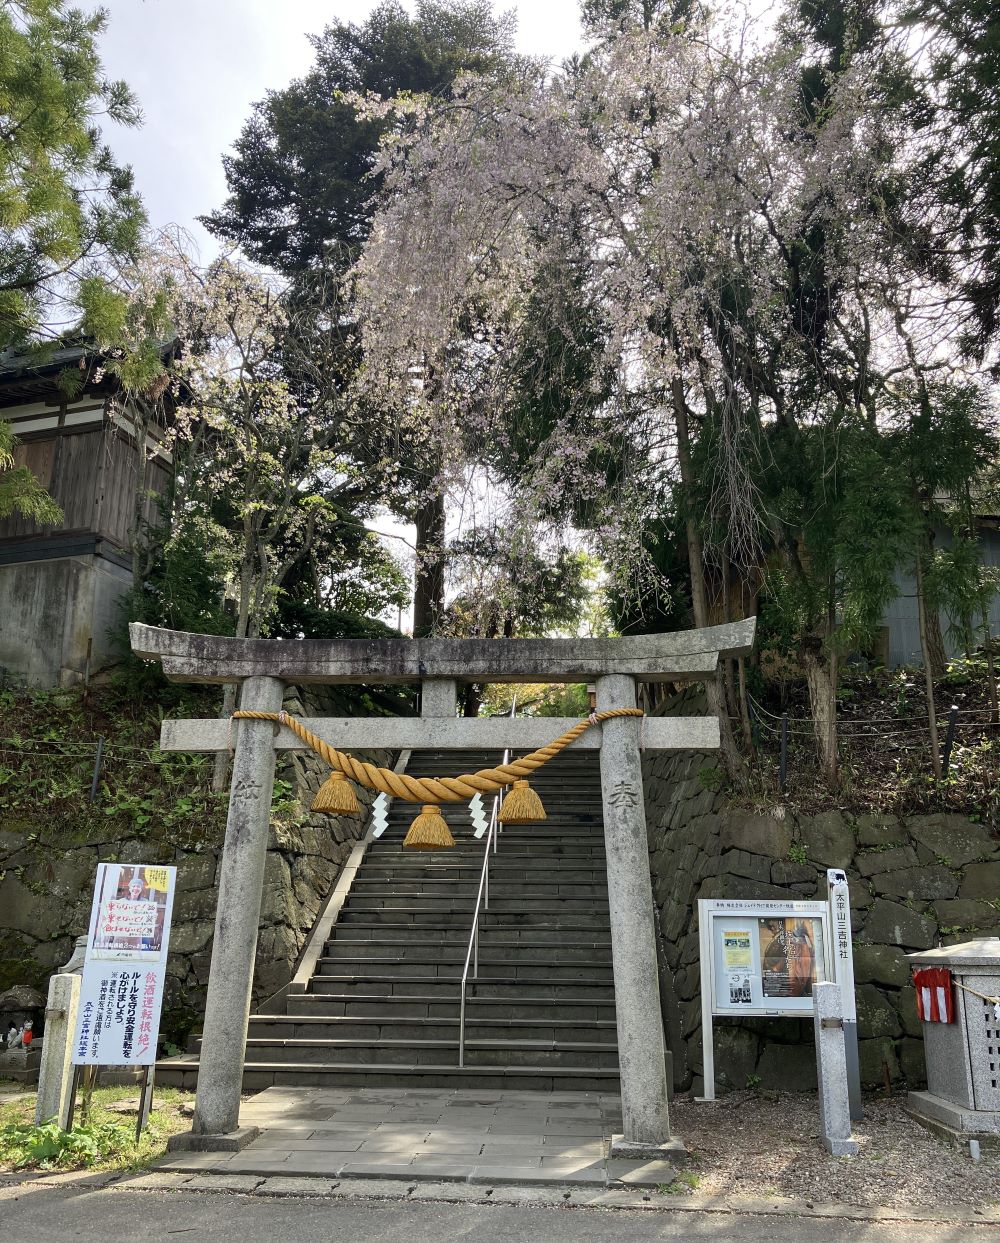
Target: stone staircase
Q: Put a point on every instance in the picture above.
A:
(382, 1008)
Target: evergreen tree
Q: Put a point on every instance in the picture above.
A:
(300, 179)
(956, 107)
(68, 210)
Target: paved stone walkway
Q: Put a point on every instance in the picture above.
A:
(468, 1136)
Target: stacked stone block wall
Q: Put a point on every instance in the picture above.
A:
(45, 896)
(914, 883)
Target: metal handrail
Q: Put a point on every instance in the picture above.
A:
(482, 902)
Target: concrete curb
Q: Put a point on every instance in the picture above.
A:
(555, 1196)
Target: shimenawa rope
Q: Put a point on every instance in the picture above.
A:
(432, 789)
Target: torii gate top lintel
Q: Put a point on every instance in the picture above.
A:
(683, 655)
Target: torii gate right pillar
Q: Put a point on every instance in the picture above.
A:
(641, 1054)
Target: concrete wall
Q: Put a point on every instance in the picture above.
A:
(47, 886)
(51, 610)
(900, 616)
(912, 883)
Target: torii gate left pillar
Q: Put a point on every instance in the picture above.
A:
(265, 666)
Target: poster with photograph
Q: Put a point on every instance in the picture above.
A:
(122, 991)
(132, 901)
(791, 956)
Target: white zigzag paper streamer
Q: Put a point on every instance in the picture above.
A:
(380, 815)
(478, 815)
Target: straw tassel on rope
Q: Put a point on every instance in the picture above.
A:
(336, 796)
(521, 805)
(429, 830)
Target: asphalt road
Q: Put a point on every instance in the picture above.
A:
(105, 1216)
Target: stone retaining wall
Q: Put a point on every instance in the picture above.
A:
(45, 895)
(914, 883)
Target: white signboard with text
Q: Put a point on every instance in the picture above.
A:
(125, 967)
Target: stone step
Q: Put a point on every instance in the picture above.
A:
(182, 1072)
(407, 1027)
(383, 1005)
(505, 988)
(498, 905)
(403, 949)
(405, 916)
(510, 874)
(433, 1006)
(489, 938)
(435, 1052)
(490, 964)
(543, 884)
(521, 854)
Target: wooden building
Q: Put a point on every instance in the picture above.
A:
(61, 586)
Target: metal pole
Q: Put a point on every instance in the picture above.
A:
(74, 1087)
(461, 1028)
(783, 771)
(145, 1101)
(949, 738)
(97, 768)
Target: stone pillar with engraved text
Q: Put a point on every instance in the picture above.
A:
(641, 1053)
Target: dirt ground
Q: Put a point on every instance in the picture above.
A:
(750, 1145)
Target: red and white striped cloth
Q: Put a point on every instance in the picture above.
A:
(935, 995)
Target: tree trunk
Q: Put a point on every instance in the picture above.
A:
(991, 673)
(714, 692)
(935, 643)
(428, 590)
(928, 668)
(820, 672)
(741, 667)
(220, 772)
(473, 700)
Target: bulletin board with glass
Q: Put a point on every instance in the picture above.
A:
(764, 957)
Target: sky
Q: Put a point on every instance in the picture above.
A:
(197, 66)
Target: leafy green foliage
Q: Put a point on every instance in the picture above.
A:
(957, 108)
(68, 210)
(105, 1141)
(47, 1146)
(20, 491)
(47, 764)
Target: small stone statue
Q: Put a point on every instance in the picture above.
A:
(14, 1037)
(26, 1033)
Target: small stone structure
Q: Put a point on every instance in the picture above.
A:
(20, 1006)
(963, 1057)
(831, 1071)
(913, 882)
(56, 1071)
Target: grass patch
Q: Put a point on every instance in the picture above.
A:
(106, 1142)
(685, 1182)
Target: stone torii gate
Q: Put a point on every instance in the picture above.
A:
(263, 667)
